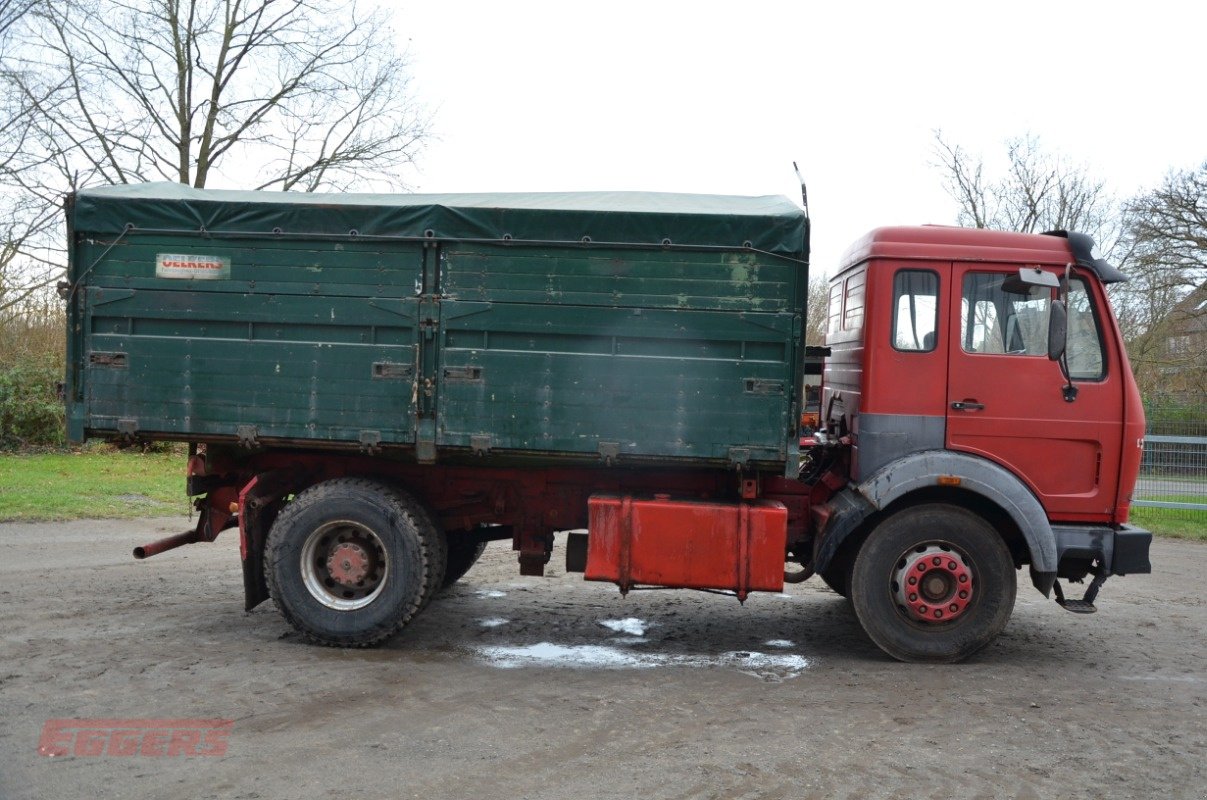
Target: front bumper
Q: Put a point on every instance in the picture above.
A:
(1119, 551)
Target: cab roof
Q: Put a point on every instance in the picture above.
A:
(949, 243)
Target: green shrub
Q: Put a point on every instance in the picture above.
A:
(30, 411)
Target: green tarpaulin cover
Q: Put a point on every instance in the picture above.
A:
(772, 223)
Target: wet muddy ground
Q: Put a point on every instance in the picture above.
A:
(511, 687)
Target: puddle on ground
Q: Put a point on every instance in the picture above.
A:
(632, 626)
(765, 666)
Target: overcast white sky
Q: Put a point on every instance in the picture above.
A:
(721, 97)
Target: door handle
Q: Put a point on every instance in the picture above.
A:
(968, 405)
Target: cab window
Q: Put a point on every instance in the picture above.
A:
(915, 310)
(1003, 323)
(998, 322)
(1084, 345)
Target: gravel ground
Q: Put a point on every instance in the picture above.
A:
(511, 687)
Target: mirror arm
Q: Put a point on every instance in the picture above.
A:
(1068, 390)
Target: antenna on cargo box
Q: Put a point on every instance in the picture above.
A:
(804, 191)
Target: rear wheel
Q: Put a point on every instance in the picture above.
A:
(933, 583)
(350, 561)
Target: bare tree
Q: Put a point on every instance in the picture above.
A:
(1163, 307)
(267, 94)
(172, 89)
(1037, 192)
(10, 12)
(23, 218)
(1159, 239)
(816, 309)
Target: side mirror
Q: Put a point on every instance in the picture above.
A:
(1058, 330)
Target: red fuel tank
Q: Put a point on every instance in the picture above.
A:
(687, 544)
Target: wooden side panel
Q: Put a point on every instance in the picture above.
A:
(303, 341)
(642, 382)
(723, 281)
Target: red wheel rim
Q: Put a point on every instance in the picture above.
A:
(933, 584)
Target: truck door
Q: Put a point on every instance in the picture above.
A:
(1005, 400)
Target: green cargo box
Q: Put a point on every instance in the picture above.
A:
(563, 327)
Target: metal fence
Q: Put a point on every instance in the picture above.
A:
(1173, 474)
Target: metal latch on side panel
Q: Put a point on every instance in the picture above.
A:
(609, 452)
(128, 428)
(425, 440)
(480, 443)
(759, 386)
(739, 457)
(462, 374)
(119, 360)
(389, 370)
(247, 436)
(370, 442)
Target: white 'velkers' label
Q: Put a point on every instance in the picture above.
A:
(174, 265)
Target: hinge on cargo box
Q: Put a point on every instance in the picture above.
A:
(425, 440)
(739, 456)
(370, 442)
(609, 452)
(480, 443)
(247, 436)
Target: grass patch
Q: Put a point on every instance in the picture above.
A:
(92, 483)
(100, 482)
(1178, 523)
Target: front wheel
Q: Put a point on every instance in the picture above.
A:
(933, 583)
(350, 561)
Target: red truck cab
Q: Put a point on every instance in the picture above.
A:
(983, 371)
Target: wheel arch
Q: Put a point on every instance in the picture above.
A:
(976, 484)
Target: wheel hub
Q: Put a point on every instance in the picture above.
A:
(348, 563)
(933, 584)
(344, 565)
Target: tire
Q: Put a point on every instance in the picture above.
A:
(392, 552)
(463, 553)
(908, 582)
(838, 575)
